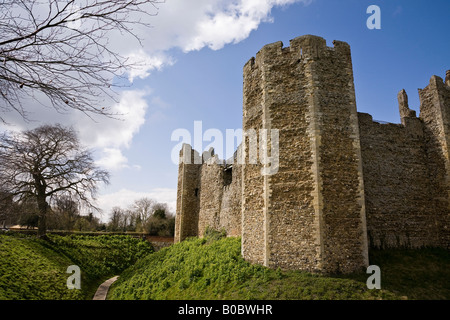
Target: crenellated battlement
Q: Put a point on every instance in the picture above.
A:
(303, 47)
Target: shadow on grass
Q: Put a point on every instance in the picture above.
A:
(415, 274)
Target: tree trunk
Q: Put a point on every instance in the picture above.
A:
(42, 223)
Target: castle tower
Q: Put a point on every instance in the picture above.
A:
(435, 113)
(188, 194)
(310, 213)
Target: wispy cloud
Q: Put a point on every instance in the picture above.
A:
(112, 159)
(144, 63)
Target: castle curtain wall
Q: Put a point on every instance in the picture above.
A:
(396, 184)
(344, 181)
(406, 173)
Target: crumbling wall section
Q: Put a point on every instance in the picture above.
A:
(209, 195)
(406, 172)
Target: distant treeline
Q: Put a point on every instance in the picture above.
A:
(143, 216)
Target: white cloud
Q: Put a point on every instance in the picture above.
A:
(144, 63)
(112, 159)
(210, 23)
(190, 26)
(108, 136)
(232, 22)
(125, 197)
(115, 133)
(111, 136)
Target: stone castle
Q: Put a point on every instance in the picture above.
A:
(344, 182)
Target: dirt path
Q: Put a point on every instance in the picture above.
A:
(102, 290)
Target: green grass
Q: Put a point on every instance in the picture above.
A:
(32, 268)
(207, 269)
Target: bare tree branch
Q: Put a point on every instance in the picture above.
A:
(62, 49)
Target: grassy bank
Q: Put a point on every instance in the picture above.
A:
(207, 269)
(32, 268)
(210, 268)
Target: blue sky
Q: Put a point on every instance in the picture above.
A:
(196, 52)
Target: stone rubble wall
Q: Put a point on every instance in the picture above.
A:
(280, 216)
(230, 208)
(253, 205)
(435, 114)
(396, 183)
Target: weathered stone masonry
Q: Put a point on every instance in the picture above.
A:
(344, 182)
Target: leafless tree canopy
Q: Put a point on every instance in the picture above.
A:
(47, 162)
(60, 50)
(144, 215)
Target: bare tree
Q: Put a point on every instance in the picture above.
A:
(68, 210)
(60, 50)
(143, 208)
(115, 219)
(47, 162)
